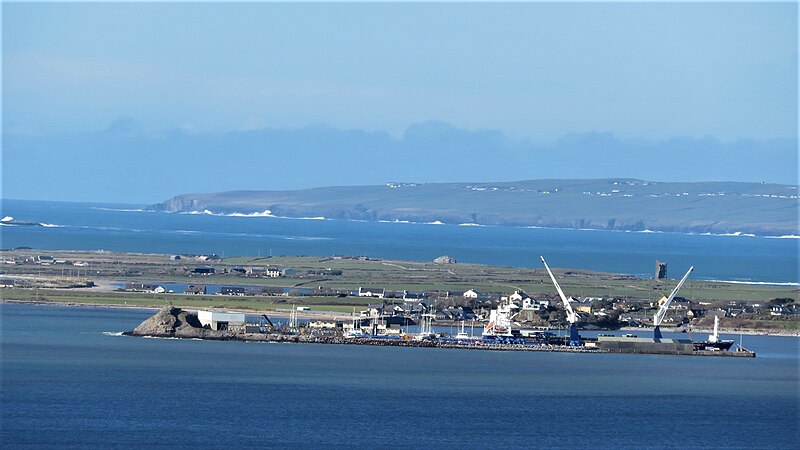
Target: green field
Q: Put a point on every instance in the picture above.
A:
(143, 300)
(104, 268)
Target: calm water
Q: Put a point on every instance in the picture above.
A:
(67, 384)
(93, 227)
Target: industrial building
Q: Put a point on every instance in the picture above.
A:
(220, 320)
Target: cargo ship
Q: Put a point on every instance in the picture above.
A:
(714, 343)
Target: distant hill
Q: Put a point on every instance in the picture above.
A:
(605, 204)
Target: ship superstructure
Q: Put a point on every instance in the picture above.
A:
(500, 323)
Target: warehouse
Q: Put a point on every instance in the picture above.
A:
(219, 320)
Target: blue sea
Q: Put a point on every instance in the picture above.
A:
(113, 227)
(70, 381)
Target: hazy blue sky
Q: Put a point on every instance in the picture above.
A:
(533, 72)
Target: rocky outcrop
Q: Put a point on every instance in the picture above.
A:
(445, 260)
(175, 322)
(163, 323)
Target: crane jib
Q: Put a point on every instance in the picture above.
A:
(571, 316)
(662, 311)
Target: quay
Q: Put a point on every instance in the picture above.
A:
(175, 323)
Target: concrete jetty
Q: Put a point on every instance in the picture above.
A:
(175, 323)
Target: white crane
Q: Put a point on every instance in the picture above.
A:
(572, 317)
(662, 311)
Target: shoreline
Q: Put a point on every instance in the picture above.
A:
(264, 214)
(330, 315)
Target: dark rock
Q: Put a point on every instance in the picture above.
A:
(175, 322)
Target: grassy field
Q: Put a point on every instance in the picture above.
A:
(105, 267)
(344, 305)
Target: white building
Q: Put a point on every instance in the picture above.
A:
(372, 292)
(220, 320)
(518, 296)
(530, 305)
(471, 294)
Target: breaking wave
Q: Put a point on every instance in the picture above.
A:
(9, 221)
(759, 283)
(98, 208)
(735, 233)
(265, 213)
(435, 222)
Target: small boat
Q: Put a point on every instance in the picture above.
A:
(462, 335)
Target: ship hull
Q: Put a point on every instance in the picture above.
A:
(714, 346)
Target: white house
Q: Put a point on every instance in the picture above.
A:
(371, 292)
(518, 296)
(530, 305)
(471, 294)
(777, 310)
(148, 288)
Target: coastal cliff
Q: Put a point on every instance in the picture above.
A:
(603, 204)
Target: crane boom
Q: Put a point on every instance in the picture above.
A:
(571, 316)
(662, 311)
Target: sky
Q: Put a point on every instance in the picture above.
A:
(516, 80)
